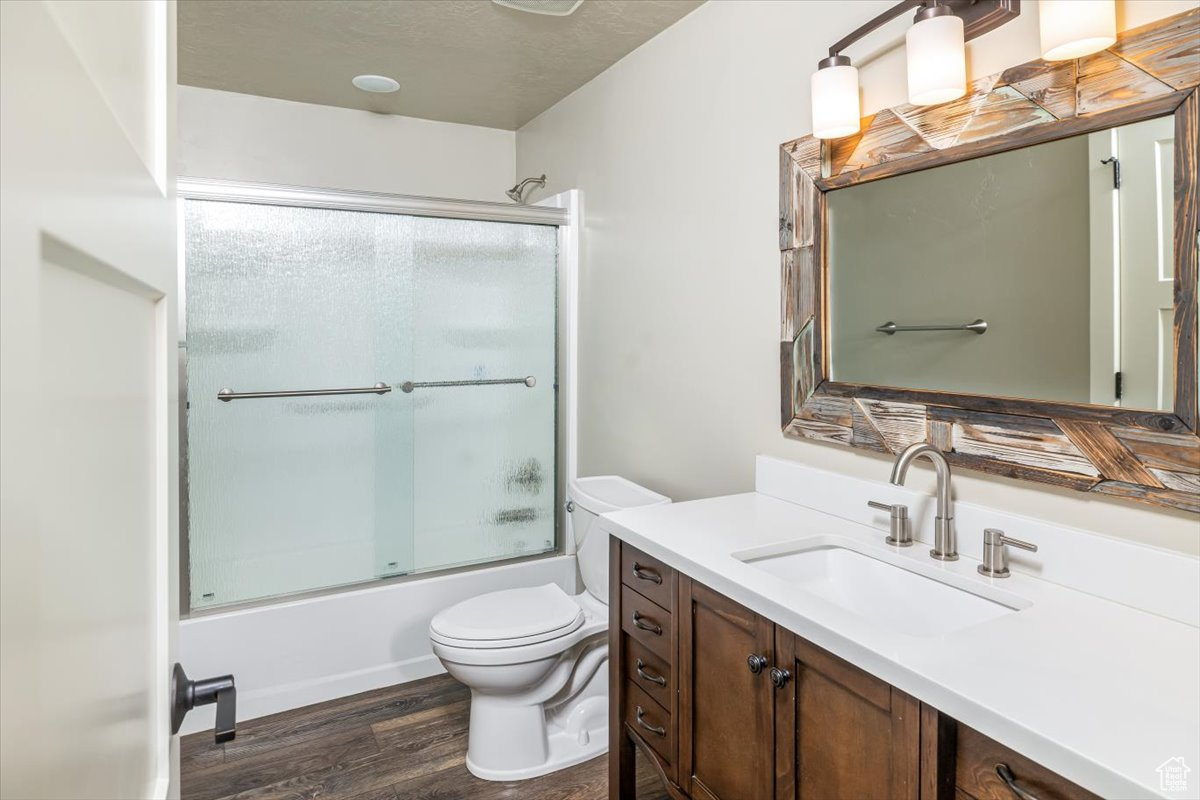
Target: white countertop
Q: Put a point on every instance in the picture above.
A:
(1099, 692)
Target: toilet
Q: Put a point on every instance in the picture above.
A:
(536, 659)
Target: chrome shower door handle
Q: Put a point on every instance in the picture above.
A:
(225, 395)
(408, 386)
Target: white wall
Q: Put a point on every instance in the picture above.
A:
(676, 150)
(115, 42)
(248, 138)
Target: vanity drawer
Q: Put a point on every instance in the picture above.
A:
(646, 623)
(975, 772)
(648, 672)
(648, 576)
(652, 723)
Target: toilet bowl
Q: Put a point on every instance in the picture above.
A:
(536, 658)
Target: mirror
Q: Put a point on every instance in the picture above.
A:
(1042, 279)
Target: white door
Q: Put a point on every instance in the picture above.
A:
(1147, 153)
(87, 410)
(1105, 269)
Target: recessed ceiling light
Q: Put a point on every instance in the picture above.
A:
(376, 83)
(553, 8)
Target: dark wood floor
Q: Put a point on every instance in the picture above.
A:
(403, 742)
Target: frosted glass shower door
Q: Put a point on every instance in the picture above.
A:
(294, 494)
(454, 465)
(484, 454)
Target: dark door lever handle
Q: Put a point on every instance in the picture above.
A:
(187, 694)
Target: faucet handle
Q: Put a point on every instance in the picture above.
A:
(897, 509)
(1017, 542)
(901, 526)
(995, 556)
(1000, 537)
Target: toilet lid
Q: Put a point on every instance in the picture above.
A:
(509, 617)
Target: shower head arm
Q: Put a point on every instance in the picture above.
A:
(517, 193)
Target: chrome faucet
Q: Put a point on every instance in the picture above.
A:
(945, 539)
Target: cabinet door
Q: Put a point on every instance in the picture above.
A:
(726, 724)
(840, 732)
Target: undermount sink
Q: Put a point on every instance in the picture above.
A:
(887, 594)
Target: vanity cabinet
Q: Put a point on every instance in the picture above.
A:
(728, 705)
(839, 731)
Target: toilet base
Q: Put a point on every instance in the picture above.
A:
(535, 708)
(582, 736)
(510, 741)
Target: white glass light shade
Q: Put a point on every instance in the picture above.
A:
(1076, 28)
(937, 61)
(835, 109)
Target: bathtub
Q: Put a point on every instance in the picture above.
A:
(295, 653)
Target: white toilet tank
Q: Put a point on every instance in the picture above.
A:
(588, 498)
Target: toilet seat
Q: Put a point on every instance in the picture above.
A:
(508, 618)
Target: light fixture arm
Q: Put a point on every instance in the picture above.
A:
(873, 25)
(979, 17)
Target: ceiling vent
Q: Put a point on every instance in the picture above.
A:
(553, 8)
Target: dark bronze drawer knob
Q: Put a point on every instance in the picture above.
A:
(644, 574)
(780, 677)
(640, 622)
(648, 676)
(756, 663)
(655, 729)
(1010, 781)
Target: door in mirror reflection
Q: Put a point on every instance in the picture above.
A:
(1145, 290)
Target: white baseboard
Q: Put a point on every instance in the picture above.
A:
(273, 699)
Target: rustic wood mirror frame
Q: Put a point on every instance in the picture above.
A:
(1147, 456)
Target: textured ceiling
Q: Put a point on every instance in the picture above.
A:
(467, 61)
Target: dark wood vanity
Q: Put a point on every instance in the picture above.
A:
(728, 705)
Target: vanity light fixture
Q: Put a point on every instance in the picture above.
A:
(937, 57)
(1076, 28)
(937, 71)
